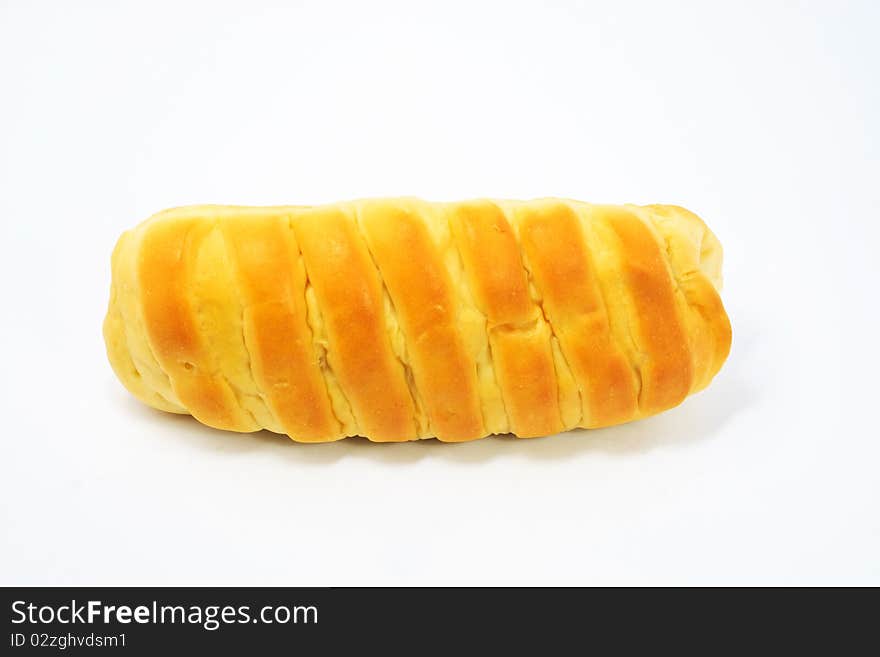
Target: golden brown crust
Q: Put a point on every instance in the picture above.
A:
(520, 339)
(125, 302)
(419, 285)
(167, 255)
(284, 361)
(666, 368)
(349, 293)
(695, 259)
(214, 286)
(119, 348)
(398, 319)
(563, 269)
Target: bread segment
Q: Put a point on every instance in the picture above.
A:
(284, 361)
(666, 367)
(126, 301)
(695, 259)
(563, 268)
(518, 335)
(349, 293)
(397, 319)
(214, 284)
(119, 348)
(422, 293)
(167, 256)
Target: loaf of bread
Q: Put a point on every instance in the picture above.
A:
(399, 319)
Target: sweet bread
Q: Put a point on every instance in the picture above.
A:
(398, 319)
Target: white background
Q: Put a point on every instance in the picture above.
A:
(762, 117)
